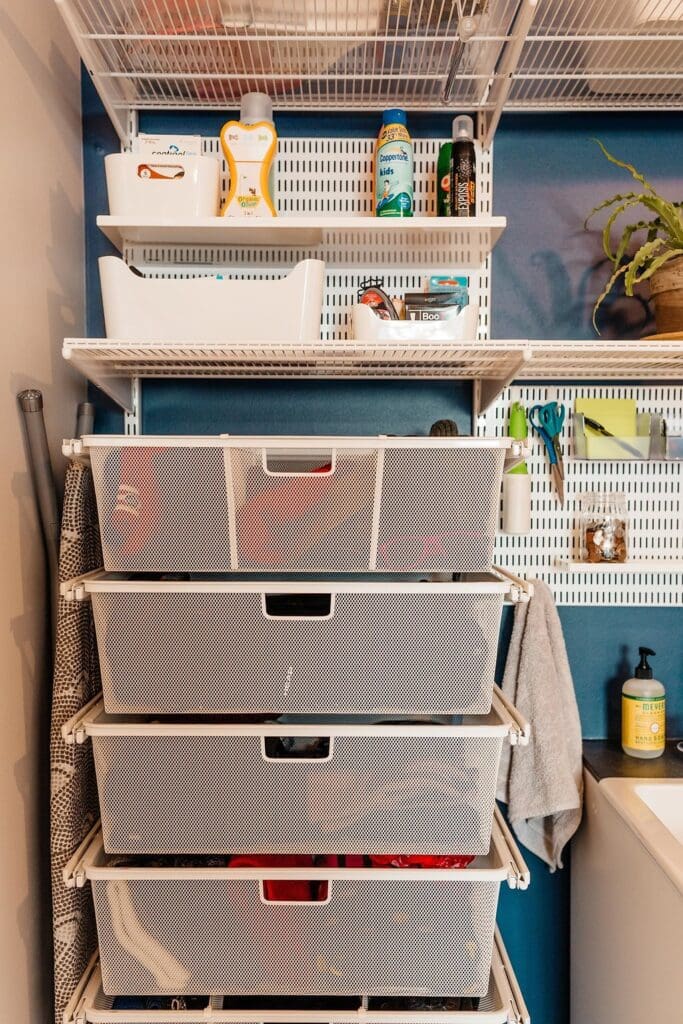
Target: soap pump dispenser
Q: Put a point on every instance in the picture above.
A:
(643, 711)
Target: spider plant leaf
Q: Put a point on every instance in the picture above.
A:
(658, 262)
(609, 202)
(672, 221)
(607, 289)
(627, 167)
(607, 230)
(641, 259)
(628, 233)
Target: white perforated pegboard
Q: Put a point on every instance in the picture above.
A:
(329, 176)
(652, 488)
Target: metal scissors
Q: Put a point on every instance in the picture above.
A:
(548, 421)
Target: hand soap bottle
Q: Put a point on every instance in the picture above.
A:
(643, 712)
(249, 147)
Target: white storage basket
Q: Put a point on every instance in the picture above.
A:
(502, 1004)
(183, 647)
(212, 309)
(369, 327)
(168, 187)
(327, 504)
(216, 788)
(211, 930)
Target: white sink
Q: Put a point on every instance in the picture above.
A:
(665, 800)
(653, 808)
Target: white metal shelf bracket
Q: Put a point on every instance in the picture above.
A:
(486, 390)
(502, 83)
(120, 117)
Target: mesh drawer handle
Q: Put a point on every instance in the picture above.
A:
(292, 892)
(314, 462)
(316, 749)
(297, 607)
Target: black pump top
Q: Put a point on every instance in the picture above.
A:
(643, 670)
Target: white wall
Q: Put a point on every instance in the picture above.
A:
(41, 301)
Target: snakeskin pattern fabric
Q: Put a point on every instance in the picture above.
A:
(73, 794)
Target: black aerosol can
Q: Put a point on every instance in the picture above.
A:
(464, 169)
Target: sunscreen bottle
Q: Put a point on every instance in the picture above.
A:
(643, 711)
(394, 167)
(249, 147)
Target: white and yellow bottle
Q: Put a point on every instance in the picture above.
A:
(249, 147)
(643, 711)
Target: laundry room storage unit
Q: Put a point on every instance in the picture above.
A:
(208, 787)
(218, 930)
(217, 646)
(502, 1004)
(299, 504)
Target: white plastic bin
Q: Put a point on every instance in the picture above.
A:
(206, 787)
(369, 327)
(306, 504)
(214, 646)
(167, 187)
(373, 931)
(502, 1004)
(213, 308)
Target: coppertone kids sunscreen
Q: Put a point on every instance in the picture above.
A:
(394, 167)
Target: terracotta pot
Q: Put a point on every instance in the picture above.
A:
(666, 290)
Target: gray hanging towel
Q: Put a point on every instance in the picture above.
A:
(73, 790)
(542, 784)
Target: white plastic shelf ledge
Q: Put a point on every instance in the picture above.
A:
(342, 239)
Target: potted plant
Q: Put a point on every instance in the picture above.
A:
(659, 256)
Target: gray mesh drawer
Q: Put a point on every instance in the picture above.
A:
(204, 788)
(502, 1004)
(297, 504)
(211, 930)
(193, 647)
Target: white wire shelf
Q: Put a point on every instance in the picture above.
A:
(467, 240)
(491, 365)
(111, 364)
(480, 55)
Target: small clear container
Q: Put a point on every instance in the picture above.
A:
(604, 526)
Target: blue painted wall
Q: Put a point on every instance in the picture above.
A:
(548, 174)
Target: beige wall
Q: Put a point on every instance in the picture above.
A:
(41, 300)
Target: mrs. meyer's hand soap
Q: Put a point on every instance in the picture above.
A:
(394, 167)
(249, 146)
(643, 711)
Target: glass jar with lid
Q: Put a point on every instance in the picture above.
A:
(604, 526)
